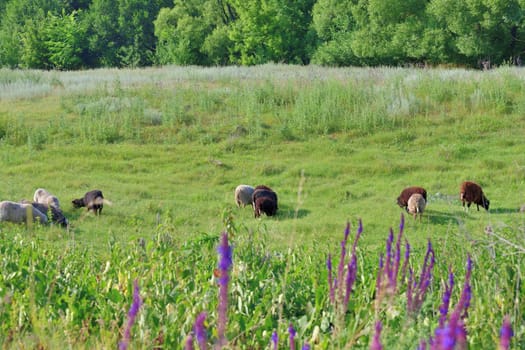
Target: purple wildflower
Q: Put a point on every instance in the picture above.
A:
(466, 294)
(418, 294)
(376, 340)
(330, 279)
(200, 330)
(292, 333)
(505, 334)
(274, 340)
(132, 314)
(443, 308)
(225, 263)
(306, 346)
(341, 267)
(405, 263)
(188, 345)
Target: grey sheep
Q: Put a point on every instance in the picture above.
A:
(243, 195)
(20, 213)
(416, 205)
(43, 196)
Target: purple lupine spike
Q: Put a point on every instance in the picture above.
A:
(505, 335)
(330, 279)
(340, 271)
(422, 345)
(388, 262)
(407, 259)
(357, 236)
(397, 259)
(188, 344)
(132, 314)
(347, 231)
(292, 333)
(350, 280)
(466, 294)
(401, 223)
(274, 340)
(200, 330)
(224, 265)
(376, 340)
(443, 308)
(306, 346)
(410, 291)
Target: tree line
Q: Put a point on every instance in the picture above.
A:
(81, 34)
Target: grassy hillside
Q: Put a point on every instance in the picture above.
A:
(167, 146)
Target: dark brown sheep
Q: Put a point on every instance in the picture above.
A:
(264, 200)
(470, 192)
(92, 200)
(402, 200)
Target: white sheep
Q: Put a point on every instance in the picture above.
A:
(243, 195)
(20, 213)
(416, 205)
(44, 197)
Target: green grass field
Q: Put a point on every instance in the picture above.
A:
(167, 146)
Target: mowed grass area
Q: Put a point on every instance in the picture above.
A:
(167, 146)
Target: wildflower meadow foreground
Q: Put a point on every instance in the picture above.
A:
(398, 283)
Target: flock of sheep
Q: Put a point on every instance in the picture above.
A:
(413, 199)
(45, 208)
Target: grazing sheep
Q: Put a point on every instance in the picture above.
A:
(470, 192)
(44, 197)
(416, 205)
(243, 195)
(20, 212)
(264, 200)
(92, 200)
(53, 214)
(402, 200)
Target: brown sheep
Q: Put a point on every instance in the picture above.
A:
(470, 192)
(402, 200)
(93, 200)
(264, 200)
(416, 205)
(243, 195)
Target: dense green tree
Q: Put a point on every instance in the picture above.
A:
(334, 25)
(272, 30)
(64, 40)
(482, 30)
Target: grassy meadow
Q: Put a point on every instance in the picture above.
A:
(167, 146)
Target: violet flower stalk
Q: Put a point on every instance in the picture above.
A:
(292, 333)
(330, 279)
(341, 267)
(188, 345)
(132, 315)
(200, 330)
(417, 296)
(274, 340)
(306, 346)
(443, 308)
(505, 334)
(376, 340)
(224, 265)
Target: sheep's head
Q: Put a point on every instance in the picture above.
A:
(78, 203)
(486, 203)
